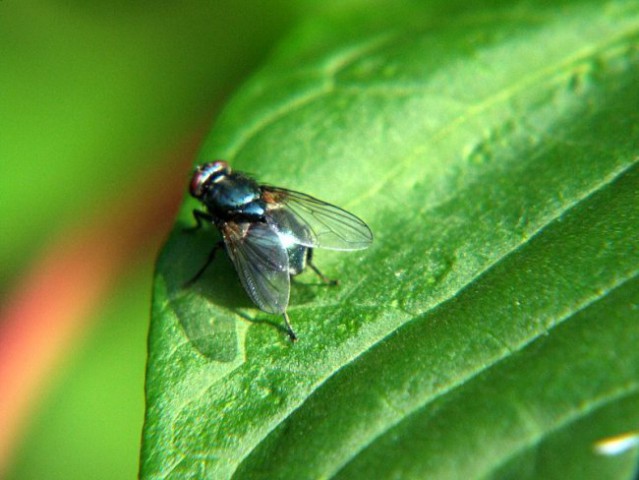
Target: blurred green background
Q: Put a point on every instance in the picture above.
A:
(92, 95)
(95, 97)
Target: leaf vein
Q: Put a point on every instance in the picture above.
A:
(496, 361)
(575, 415)
(539, 78)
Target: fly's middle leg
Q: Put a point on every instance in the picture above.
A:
(324, 278)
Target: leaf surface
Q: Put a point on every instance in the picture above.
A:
(491, 330)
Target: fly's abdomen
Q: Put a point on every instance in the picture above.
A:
(291, 232)
(297, 256)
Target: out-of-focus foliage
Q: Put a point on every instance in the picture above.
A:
(93, 94)
(88, 424)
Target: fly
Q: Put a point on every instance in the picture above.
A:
(269, 233)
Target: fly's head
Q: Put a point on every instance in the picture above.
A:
(206, 175)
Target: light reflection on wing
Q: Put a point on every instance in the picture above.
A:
(261, 263)
(314, 223)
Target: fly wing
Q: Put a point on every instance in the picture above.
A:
(261, 262)
(305, 220)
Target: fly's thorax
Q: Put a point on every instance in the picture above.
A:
(234, 195)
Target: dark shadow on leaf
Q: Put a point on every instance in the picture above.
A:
(206, 309)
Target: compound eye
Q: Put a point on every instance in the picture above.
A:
(196, 184)
(206, 174)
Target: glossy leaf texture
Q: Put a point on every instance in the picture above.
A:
(491, 330)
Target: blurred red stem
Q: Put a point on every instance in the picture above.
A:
(51, 304)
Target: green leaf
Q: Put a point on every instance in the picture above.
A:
(491, 330)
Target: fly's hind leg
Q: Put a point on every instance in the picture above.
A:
(289, 327)
(324, 278)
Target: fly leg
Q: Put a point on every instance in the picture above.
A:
(209, 260)
(324, 278)
(289, 328)
(199, 218)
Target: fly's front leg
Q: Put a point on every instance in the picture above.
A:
(209, 260)
(199, 218)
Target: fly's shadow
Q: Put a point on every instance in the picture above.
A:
(206, 308)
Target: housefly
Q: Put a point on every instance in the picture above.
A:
(269, 233)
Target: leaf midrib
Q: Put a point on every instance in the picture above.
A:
(495, 362)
